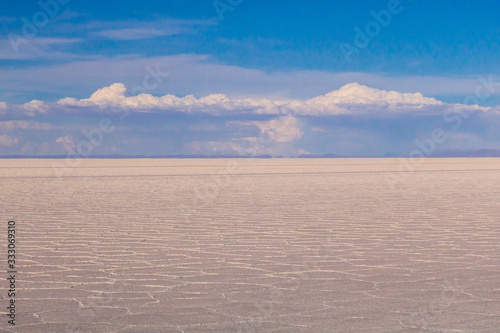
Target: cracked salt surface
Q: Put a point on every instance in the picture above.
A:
(283, 246)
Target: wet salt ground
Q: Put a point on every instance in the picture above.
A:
(280, 246)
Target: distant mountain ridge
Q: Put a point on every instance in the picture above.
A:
(476, 153)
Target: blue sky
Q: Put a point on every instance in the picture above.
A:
(281, 67)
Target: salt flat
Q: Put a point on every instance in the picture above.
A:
(260, 245)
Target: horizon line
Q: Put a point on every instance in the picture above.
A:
(443, 154)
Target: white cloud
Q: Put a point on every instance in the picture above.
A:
(282, 129)
(276, 137)
(25, 125)
(34, 48)
(34, 107)
(15, 46)
(8, 141)
(115, 96)
(355, 93)
(134, 30)
(131, 34)
(357, 98)
(67, 140)
(107, 96)
(352, 98)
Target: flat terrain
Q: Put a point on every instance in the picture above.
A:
(272, 245)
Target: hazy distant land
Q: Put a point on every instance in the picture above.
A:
(439, 154)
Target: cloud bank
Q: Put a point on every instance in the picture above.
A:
(352, 98)
(355, 117)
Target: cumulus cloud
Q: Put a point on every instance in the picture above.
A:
(276, 137)
(8, 141)
(355, 93)
(30, 109)
(112, 95)
(67, 141)
(115, 96)
(352, 98)
(282, 129)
